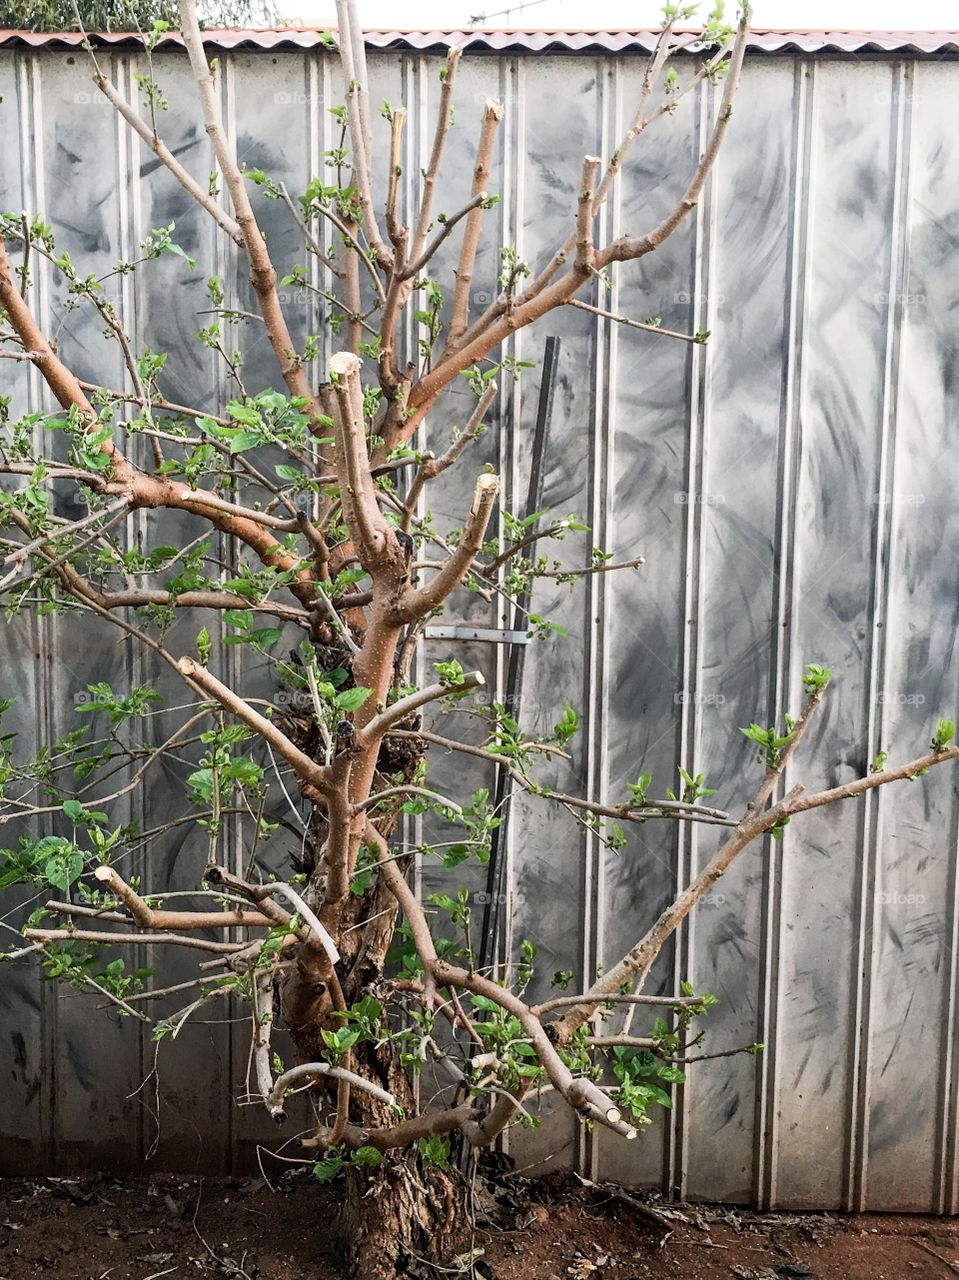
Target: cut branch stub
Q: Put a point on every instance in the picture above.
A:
(368, 527)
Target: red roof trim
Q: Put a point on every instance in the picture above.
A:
(764, 39)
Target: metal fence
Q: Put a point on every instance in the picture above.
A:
(791, 486)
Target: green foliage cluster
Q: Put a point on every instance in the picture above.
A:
(127, 15)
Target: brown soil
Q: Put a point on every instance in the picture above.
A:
(142, 1229)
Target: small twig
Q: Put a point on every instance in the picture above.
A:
(407, 788)
(634, 324)
(117, 939)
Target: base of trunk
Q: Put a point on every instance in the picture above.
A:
(398, 1213)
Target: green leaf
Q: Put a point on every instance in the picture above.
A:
(640, 787)
(266, 637)
(241, 440)
(244, 413)
(816, 677)
(201, 782)
(945, 732)
(326, 1170)
(568, 725)
(73, 809)
(672, 1075)
(367, 1155)
(65, 866)
(352, 699)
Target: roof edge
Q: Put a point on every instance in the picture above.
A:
(632, 40)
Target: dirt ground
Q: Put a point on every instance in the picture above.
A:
(142, 1229)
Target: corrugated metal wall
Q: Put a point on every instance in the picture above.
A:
(791, 486)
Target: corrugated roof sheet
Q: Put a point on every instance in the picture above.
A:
(761, 40)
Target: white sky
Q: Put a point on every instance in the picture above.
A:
(911, 15)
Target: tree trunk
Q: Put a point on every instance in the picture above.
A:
(403, 1209)
(399, 1212)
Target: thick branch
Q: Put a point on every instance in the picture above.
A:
(262, 273)
(414, 604)
(444, 119)
(306, 769)
(459, 319)
(353, 61)
(149, 918)
(58, 377)
(367, 524)
(585, 251)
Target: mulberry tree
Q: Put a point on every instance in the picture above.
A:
(310, 546)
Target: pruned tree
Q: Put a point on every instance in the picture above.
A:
(310, 540)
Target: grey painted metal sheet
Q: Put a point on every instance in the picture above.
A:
(790, 486)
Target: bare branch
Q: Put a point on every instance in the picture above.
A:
(262, 1029)
(118, 939)
(404, 789)
(61, 381)
(849, 790)
(635, 324)
(585, 251)
(353, 60)
(400, 709)
(627, 247)
(444, 119)
(616, 997)
(414, 604)
(166, 157)
(306, 1073)
(448, 226)
(395, 229)
(459, 318)
(314, 775)
(357, 491)
(432, 467)
(308, 236)
(149, 918)
(262, 273)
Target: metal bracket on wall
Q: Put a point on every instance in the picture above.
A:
(486, 635)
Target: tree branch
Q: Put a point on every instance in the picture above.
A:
(262, 273)
(167, 158)
(432, 467)
(149, 918)
(459, 318)
(444, 120)
(400, 709)
(353, 60)
(314, 775)
(414, 604)
(370, 530)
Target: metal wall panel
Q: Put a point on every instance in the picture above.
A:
(789, 486)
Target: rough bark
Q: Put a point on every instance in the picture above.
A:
(401, 1212)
